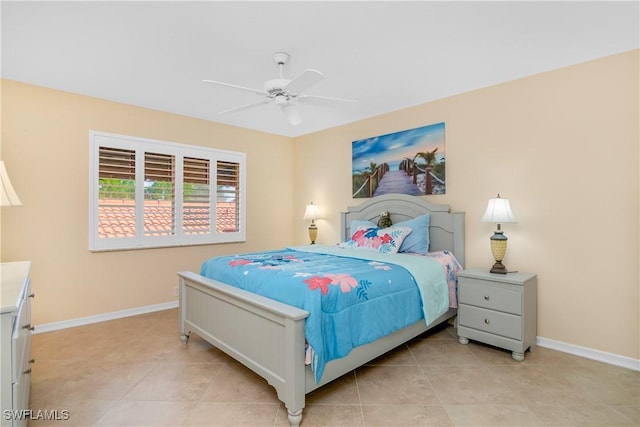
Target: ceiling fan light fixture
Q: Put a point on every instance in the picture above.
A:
(292, 113)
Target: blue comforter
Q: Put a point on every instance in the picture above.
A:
(354, 297)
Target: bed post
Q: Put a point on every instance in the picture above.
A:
(458, 237)
(182, 312)
(294, 393)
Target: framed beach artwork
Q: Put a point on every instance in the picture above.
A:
(407, 162)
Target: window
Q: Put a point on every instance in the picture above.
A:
(146, 193)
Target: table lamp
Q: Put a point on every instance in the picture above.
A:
(8, 197)
(311, 212)
(498, 211)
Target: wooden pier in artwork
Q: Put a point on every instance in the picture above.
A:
(397, 181)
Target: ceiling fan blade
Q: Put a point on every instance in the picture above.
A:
(246, 107)
(303, 81)
(325, 101)
(247, 89)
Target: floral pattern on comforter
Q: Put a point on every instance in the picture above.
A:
(353, 296)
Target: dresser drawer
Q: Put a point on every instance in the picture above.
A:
(480, 293)
(21, 339)
(21, 391)
(493, 322)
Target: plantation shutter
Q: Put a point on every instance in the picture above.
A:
(159, 194)
(196, 212)
(227, 197)
(116, 193)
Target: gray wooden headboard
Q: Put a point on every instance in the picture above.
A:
(446, 228)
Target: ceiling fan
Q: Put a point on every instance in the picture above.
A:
(286, 94)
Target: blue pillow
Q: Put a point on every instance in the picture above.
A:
(418, 240)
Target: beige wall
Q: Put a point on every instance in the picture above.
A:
(45, 145)
(563, 147)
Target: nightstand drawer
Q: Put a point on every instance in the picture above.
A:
(482, 294)
(493, 322)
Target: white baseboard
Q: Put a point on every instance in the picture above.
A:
(81, 321)
(589, 353)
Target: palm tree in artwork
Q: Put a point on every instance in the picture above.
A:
(372, 167)
(429, 157)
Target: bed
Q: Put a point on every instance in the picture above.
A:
(271, 339)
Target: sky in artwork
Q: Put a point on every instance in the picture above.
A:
(395, 147)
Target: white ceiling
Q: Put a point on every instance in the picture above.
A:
(388, 55)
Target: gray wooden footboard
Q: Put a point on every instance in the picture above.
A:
(264, 335)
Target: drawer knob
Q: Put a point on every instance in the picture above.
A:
(28, 371)
(487, 321)
(486, 298)
(29, 327)
(33, 295)
(32, 361)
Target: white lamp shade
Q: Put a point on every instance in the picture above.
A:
(311, 212)
(499, 211)
(8, 197)
(292, 113)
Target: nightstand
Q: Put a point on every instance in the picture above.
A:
(498, 309)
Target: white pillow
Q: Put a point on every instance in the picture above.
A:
(383, 240)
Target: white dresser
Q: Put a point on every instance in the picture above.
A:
(15, 293)
(498, 309)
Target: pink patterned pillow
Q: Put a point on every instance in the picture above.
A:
(383, 240)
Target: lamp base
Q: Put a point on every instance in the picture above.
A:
(313, 233)
(498, 268)
(498, 249)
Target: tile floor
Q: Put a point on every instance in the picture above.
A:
(136, 372)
